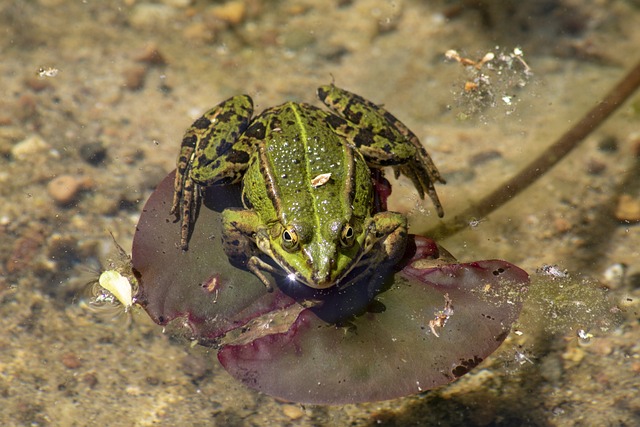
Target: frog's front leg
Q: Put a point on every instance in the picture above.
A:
(211, 153)
(384, 140)
(389, 230)
(240, 227)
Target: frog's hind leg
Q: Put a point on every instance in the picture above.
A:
(383, 140)
(210, 154)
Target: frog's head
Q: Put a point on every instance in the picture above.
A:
(319, 257)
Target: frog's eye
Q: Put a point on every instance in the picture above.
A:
(289, 239)
(348, 236)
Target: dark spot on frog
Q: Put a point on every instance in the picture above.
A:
(256, 130)
(190, 140)
(322, 94)
(223, 147)
(335, 121)
(465, 366)
(226, 116)
(275, 125)
(238, 156)
(202, 123)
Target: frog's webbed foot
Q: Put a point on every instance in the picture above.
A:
(257, 266)
(424, 174)
(420, 168)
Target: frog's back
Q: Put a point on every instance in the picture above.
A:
(286, 172)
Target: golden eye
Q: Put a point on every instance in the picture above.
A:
(348, 236)
(289, 239)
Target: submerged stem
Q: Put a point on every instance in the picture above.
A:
(543, 163)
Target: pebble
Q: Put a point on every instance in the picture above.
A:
(178, 3)
(596, 167)
(93, 153)
(9, 136)
(30, 148)
(64, 189)
(195, 366)
(90, 379)
(151, 55)
(151, 15)
(561, 225)
(71, 361)
(608, 144)
(199, 32)
(614, 275)
(484, 157)
(232, 12)
(37, 84)
(25, 249)
(294, 412)
(628, 208)
(134, 77)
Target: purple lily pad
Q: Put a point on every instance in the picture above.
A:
(408, 329)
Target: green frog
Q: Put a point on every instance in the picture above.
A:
(307, 185)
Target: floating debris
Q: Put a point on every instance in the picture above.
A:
(320, 180)
(441, 316)
(118, 286)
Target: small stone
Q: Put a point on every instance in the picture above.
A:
(294, 412)
(71, 361)
(30, 148)
(232, 12)
(573, 356)
(37, 84)
(151, 55)
(90, 379)
(134, 77)
(484, 157)
(151, 15)
(178, 3)
(195, 366)
(628, 209)
(595, 167)
(561, 225)
(25, 249)
(60, 246)
(614, 276)
(64, 189)
(199, 32)
(608, 144)
(93, 153)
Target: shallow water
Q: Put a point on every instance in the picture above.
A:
(86, 98)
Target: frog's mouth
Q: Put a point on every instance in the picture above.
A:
(327, 279)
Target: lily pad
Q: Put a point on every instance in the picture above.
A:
(409, 328)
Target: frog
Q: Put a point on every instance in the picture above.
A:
(308, 209)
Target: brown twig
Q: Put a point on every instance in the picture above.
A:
(539, 166)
